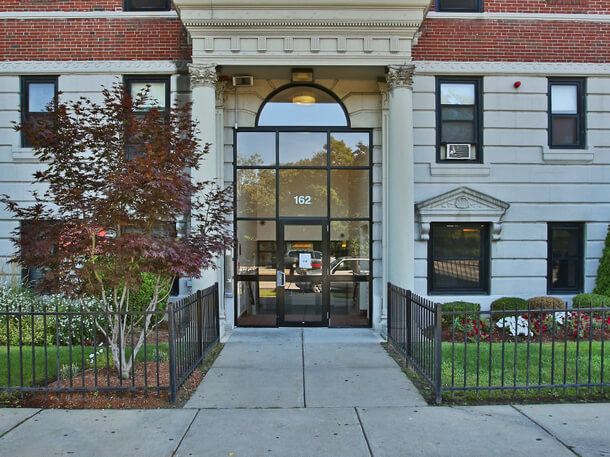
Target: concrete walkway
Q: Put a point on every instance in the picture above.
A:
(308, 392)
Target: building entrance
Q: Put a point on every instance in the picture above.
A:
(303, 222)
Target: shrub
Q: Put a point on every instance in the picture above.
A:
(141, 298)
(545, 303)
(459, 306)
(602, 282)
(68, 371)
(590, 301)
(509, 304)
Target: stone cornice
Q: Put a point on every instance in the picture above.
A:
(521, 16)
(117, 67)
(248, 24)
(512, 68)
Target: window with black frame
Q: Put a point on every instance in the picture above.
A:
(459, 5)
(37, 94)
(147, 5)
(566, 113)
(458, 258)
(458, 120)
(565, 257)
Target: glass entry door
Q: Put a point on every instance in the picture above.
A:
(303, 263)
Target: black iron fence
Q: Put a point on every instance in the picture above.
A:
(56, 349)
(501, 353)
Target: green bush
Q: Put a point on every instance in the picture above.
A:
(545, 303)
(602, 283)
(459, 306)
(140, 299)
(590, 301)
(509, 303)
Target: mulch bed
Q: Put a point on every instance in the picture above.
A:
(141, 399)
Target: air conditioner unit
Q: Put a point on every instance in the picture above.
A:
(459, 151)
(243, 81)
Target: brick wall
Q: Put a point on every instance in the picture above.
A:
(60, 5)
(526, 41)
(93, 39)
(546, 6)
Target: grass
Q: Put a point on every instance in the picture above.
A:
(565, 363)
(53, 360)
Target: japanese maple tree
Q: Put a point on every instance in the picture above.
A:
(116, 178)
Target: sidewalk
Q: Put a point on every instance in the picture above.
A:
(310, 392)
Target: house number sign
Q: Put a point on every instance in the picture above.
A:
(302, 199)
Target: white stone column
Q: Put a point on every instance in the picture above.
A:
(203, 87)
(401, 213)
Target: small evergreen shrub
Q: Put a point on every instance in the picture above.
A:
(602, 282)
(590, 301)
(509, 303)
(545, 303)
(459, 306)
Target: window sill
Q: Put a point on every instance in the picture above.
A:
(461, 169)
(568, 156)
(24, 155)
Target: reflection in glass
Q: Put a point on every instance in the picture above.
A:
(349, 149)
(156, 93)
(457, 93)
(565, 130)
(349, 193)
(564, 274)
(255, 148)
(303, 193)
(40, 96)
(256, 303)
(349, 303)
(302, 105)
(303, 149)
(303, 300)
(349, 240)
(256, 248)
(256, 193)
(565, 242)
(564, 99)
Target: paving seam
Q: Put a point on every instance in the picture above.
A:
(566, 445)
(303, 366)
(366, 438)
(24, 420)
(184, 435)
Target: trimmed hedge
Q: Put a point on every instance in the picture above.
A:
(509, 303)
(590, 301)
(546, 303)
(458, 306)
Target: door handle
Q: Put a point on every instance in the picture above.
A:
(281, 279)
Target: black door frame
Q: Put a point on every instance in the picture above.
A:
(280, 295)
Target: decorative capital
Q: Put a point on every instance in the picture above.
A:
(400, 76)
(203, 75)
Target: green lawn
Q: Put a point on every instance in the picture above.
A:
(572, 368)
(78, 352)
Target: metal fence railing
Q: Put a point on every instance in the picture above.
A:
(501, 353)
(55, 350)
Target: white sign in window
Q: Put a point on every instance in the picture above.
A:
(304, 260)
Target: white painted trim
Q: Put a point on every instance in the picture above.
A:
(521, 16)
(117, 67)
(568, 156)
(21, 15)
(512, 68)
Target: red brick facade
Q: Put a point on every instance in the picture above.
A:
(513, 41)
(93, 39)
(546, 6)
(61, 5)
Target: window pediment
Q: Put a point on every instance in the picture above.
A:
(461, 205)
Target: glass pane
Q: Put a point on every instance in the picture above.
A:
(303, 193)
(564, 274)
(564, 131)
(256, 248)
(349, 193)
(256, 148)
(349, 303)
(564, 242)
(458, 113)
(303, 149)
(302, 106)
(40, 96)
(256, 193)
(349, 241)
(458, 4)
(457, 93)
(148, 4)
(256, 303)
(457, 132)
(456, 274)
(303, 300)
(156, 94)
(349, 149)
(564, 99)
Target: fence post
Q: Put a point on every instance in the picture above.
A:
(172, 352)
(409, 323)
(200, 315)
(389, 310)
(438, 352)
(216, 312)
